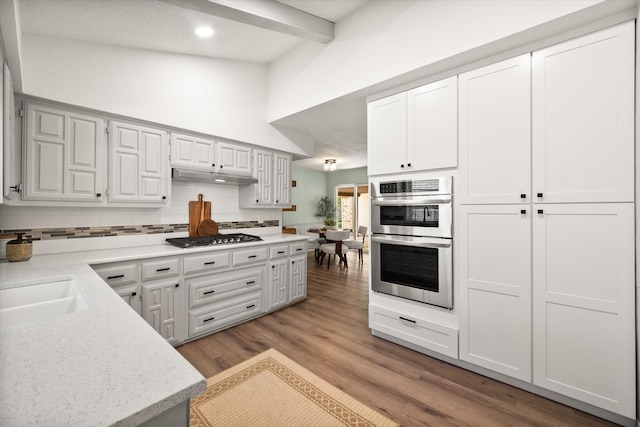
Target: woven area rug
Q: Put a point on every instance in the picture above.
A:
(271, 390)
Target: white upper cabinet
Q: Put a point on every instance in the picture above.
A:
(282, 180)
(432, 117)
(414, 130)
(495, 133)
(387, 134)
(583, 124)
(64, 158)
(192, 151)
(263, 171)
(273, 171)
(139, 165)
(233, 158)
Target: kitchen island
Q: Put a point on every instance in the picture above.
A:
(101, 366)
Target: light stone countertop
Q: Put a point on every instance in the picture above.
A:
(98, 367)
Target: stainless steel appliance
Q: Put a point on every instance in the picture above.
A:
(218, 239)
(411, 243)
(420, 207)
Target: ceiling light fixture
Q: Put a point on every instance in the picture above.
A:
(330, 165)
(204, 31)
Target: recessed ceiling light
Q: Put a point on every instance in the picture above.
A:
(204, 31)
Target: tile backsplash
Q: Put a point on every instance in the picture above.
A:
(64, 229)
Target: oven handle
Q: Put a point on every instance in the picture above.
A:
(409, 201)
(423, 242)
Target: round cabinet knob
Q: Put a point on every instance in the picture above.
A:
(408, 165)
(402, 166)
(213, 165)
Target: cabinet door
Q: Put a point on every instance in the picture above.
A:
(139, 171)
(387, 134)
(233, 158)
(64, 155)
(583, 303)
(263, 171)
(161, 304)
(191, 151)
(278, 295)
(297, 279)
(495, 288)
(583, 118)
(432, 120)
(495, 133)
(282, 180)
(131, 295)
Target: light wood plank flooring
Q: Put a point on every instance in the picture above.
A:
(328, 334)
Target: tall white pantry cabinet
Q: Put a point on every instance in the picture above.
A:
(546, 218)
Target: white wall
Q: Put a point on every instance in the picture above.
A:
(217, 97)
(385, 39)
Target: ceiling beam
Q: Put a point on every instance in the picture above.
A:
(268, 14)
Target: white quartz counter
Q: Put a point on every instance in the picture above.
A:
(98, 367)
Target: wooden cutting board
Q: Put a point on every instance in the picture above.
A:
(198, 211)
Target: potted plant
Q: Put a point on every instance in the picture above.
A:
(325, 210)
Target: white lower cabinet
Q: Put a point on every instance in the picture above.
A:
(223, 299)
(495, 288)
(547, 296)
(184, 297)
(124, 278)
(162, 308)
(424, 333)
(278, 295)
(131, 295)
(297, 279)
(287, 275)
(583, 303)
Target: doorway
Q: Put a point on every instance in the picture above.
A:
(353, 208)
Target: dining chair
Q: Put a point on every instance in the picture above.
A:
(357, 244)
(334, 246)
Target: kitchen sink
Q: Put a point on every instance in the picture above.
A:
(40, 301)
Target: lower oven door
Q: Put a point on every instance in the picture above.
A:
(416, 268)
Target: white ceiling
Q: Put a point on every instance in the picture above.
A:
(338, 128)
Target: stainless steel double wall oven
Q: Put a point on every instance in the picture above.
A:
(411, 243)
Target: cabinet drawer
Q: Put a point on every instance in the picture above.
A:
(209, 262)
(297, 248)
(117, 275)
(212, 288)
(160, 269)
(249, 256)
(426, 334)
(225, 313)
(280, 251)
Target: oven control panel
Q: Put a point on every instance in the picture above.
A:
(440, 185)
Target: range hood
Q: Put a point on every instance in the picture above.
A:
(199, 175)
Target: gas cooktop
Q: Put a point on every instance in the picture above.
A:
(217, 239)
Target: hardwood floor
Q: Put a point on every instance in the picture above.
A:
(328, 334)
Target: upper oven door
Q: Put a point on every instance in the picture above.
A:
(428, 216)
